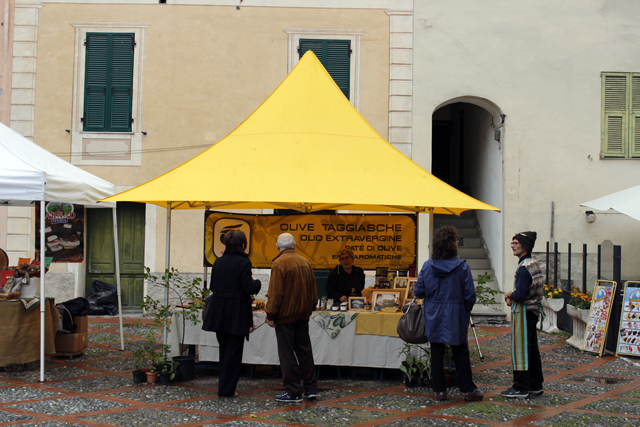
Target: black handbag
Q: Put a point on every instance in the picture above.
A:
(411, 324)
(207, 308)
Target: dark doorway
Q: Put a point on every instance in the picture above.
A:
(100, 250)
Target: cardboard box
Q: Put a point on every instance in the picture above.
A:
(72, 343)
(82, 324)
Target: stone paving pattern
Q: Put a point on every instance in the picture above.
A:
(96, 389)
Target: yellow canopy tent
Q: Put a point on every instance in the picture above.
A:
(305, 148)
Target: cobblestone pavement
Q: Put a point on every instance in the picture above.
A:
(96, 389)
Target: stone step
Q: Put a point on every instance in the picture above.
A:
(465, 232)
(471, 253)
(470, 242)
(479, 263)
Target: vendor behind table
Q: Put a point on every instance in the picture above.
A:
(345, 280)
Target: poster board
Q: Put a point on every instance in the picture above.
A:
(599, 314)
(377, 240)
(629, 333)
(64, 232)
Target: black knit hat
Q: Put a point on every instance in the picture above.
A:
(527, 239)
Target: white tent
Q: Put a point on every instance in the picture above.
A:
(29, 174)
(625, 201)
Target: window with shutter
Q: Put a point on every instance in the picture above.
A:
(108, 82)
(620, 115)
(334, 56)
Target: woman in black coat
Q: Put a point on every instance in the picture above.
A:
(230, 315)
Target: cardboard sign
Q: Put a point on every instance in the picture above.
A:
(376, 240)
(599, 315)
(629, 332)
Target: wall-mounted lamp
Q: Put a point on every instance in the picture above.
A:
(590, 217)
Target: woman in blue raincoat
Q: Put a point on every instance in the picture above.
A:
(446, 286)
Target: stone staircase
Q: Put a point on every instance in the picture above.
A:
(472, 249)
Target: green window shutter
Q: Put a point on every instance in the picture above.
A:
(615, 89)
(634, 121)
(335, 56)
(96, 77)
(108, 82)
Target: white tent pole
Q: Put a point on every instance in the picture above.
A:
(166, 266)
(430, 233)
(117, 253)
(43, 302)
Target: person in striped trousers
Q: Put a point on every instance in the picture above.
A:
(525, 302)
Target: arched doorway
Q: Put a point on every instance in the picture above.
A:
(466, 153)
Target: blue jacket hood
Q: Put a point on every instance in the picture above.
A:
(445, 267)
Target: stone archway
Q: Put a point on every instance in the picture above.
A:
(466, 153)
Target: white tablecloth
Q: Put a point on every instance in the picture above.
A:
(346, 349)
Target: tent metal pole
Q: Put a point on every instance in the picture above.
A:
(117, 259)
(166, 266)
(430, 231)
(43, 302)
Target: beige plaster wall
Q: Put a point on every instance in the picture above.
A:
(206, 69)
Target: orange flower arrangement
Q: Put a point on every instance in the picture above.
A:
(552, 292)
(580, 300)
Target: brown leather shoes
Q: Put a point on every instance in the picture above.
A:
(442, 396)
(473, 396)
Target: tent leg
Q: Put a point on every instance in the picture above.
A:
(117, 260)
(166, 266)
(43, 302)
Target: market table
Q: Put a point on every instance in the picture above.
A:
(20, 331)
(347, 348)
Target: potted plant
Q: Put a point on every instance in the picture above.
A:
(187, 291)
(167, 371)
(153, 357)
(416, 369)
(578, 309)
(552, 303)
(139, 359)
(152, 374)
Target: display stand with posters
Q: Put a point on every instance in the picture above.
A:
(629, 332)
(598, 321)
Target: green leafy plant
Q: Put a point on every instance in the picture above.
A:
(419, 364)
(187, 290)
(139, 359)
(486, 295)
(169, 366)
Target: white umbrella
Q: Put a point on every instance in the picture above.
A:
(625, 201)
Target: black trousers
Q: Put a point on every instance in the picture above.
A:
(230, 364)
(531, 379)
(296, 357)
(460, 355)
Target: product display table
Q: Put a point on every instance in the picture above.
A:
(20, 332)
(348, 348)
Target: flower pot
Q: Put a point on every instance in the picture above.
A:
(185, 369)
(152, 377)
(551, 307)
(412, 380)
(165, 378)
(138, 376)
(579, 317)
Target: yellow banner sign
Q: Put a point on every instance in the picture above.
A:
(376, 240)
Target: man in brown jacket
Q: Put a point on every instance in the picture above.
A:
(292, 298)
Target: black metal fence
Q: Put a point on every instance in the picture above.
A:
(553, 276)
